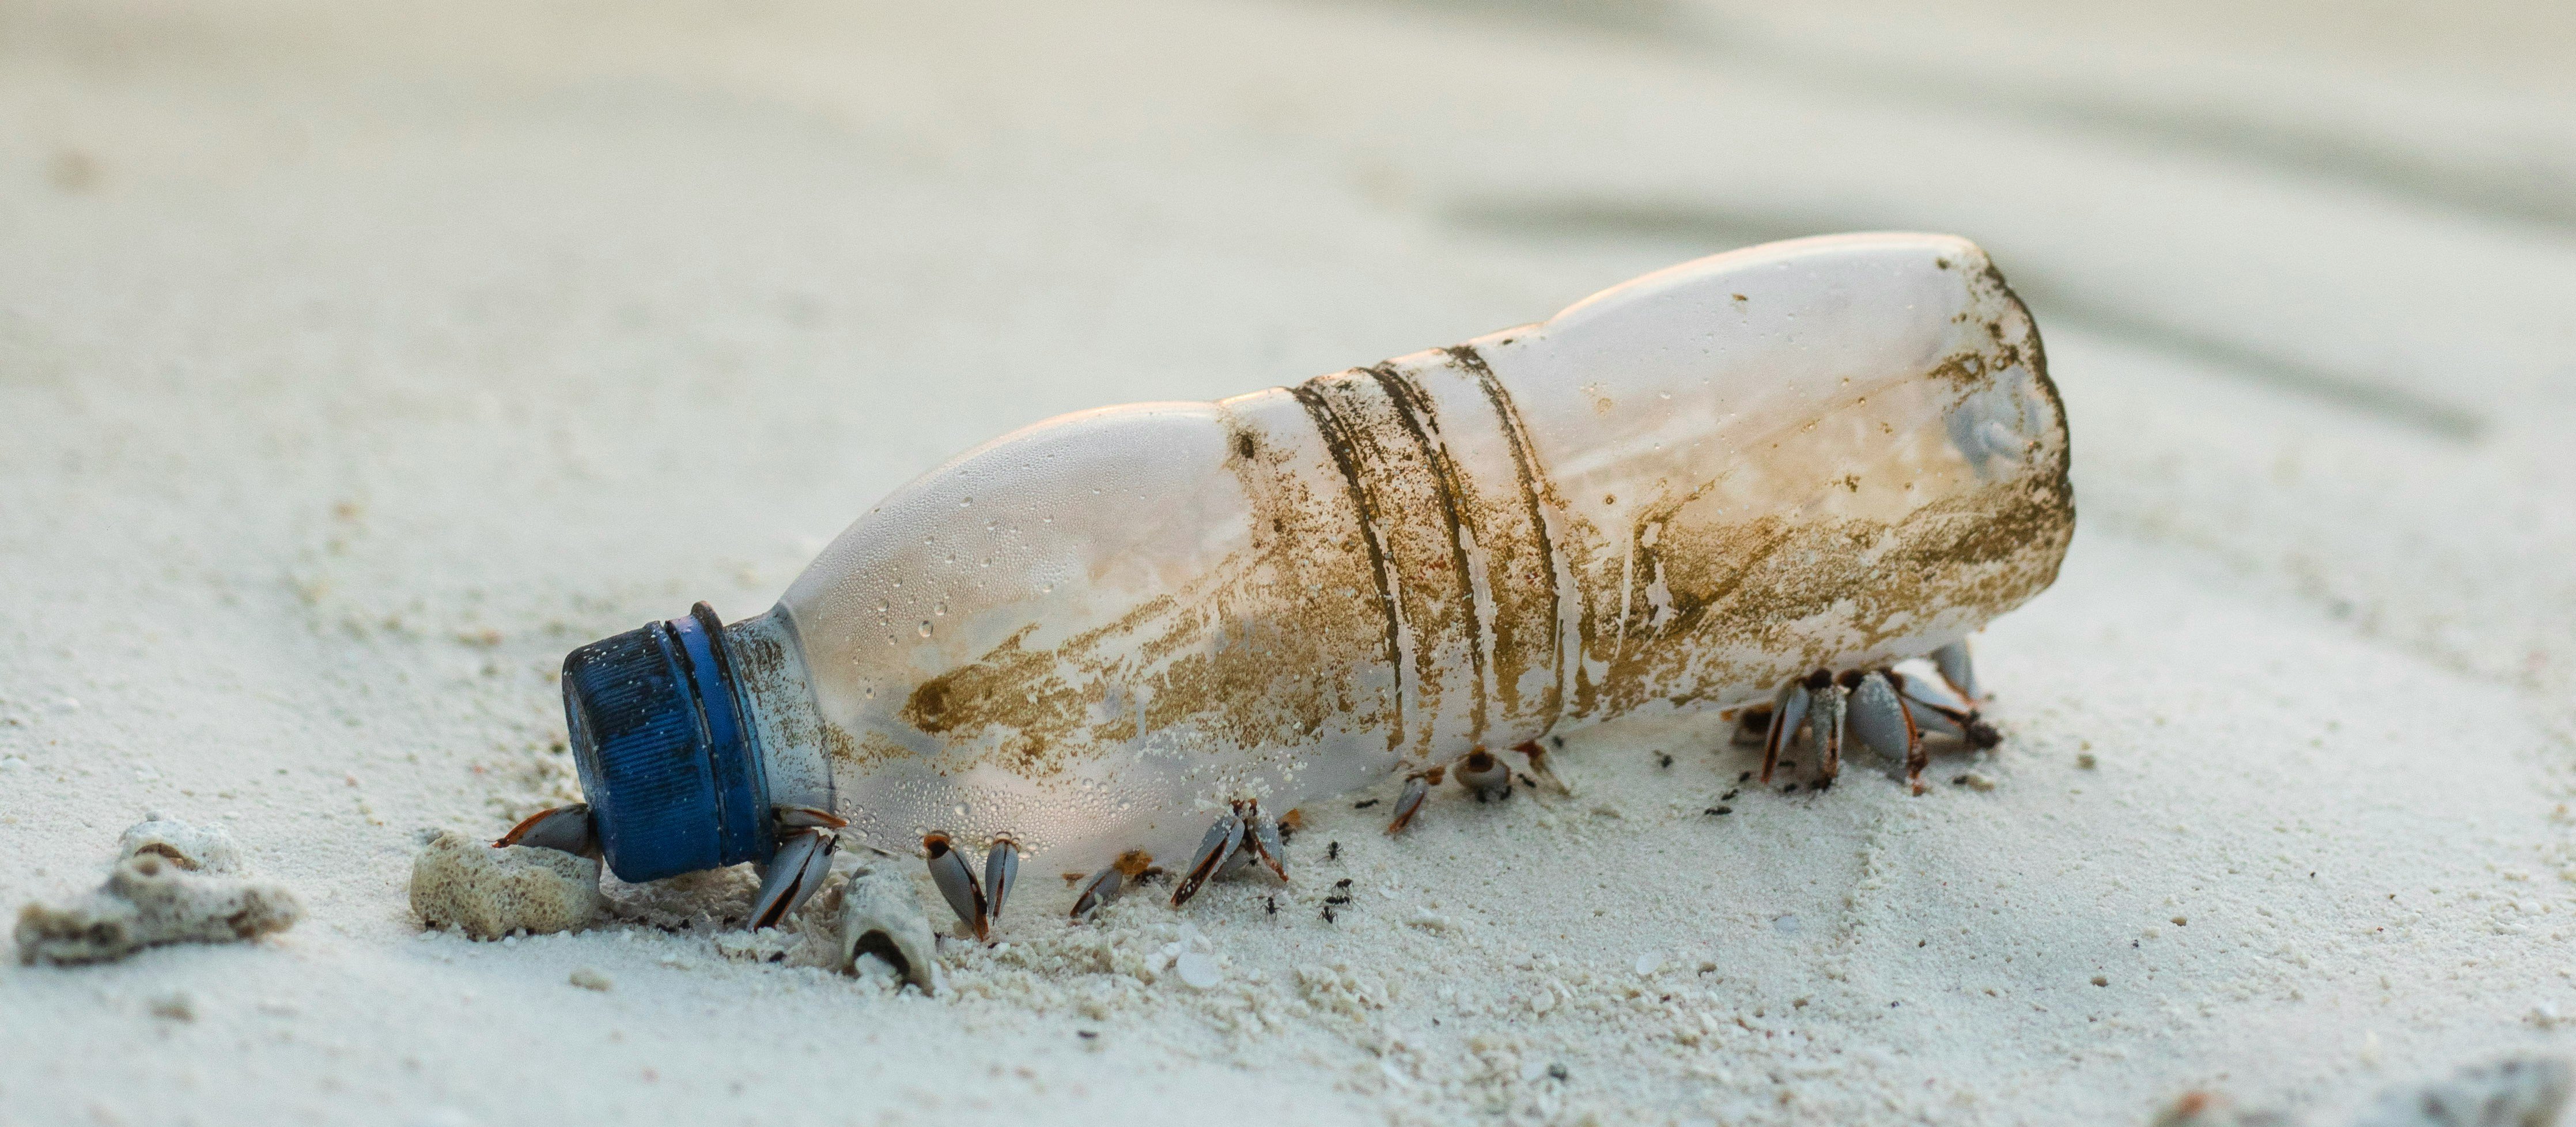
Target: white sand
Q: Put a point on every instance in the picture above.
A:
(355, 365)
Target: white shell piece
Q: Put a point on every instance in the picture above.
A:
(1197, 971)
(881, 915)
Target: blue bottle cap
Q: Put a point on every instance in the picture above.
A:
(667, 760)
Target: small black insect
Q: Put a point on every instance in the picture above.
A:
(1790, 789)
(1720, 810)
(1338, 898)
(1556, 1072)
(1364, 805)
(1663, 760)
(1086, 1034)
(1821, 784)
(1745, 777)
(1328, 913)
(1332, 851)
(1559, 741)
(1730, 795)
(1345, 882)
(1270, 905)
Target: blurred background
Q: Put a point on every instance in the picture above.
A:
(357, 359)
(556, 272)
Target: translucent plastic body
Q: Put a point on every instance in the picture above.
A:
(1093, 633)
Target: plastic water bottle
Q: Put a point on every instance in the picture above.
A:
(1093, 634)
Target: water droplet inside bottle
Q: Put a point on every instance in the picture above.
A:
(939, 609)
(925, 628)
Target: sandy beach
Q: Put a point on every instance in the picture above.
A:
(357, 361)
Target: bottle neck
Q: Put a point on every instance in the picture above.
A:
(783, 723)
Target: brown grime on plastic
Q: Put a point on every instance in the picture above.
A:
(1353, 606)
(1511, 527)
(1235, 653)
